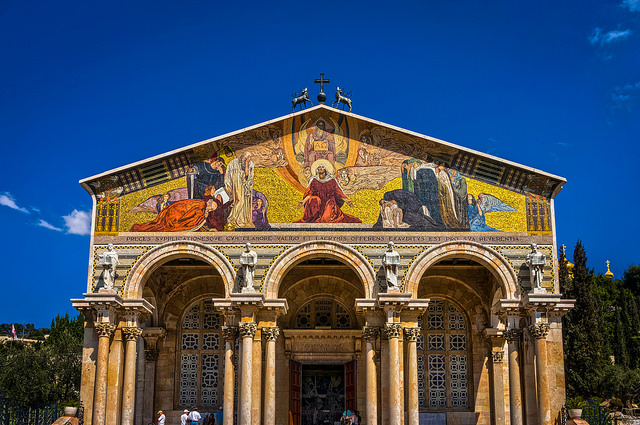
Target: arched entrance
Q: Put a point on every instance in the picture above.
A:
(322, 331)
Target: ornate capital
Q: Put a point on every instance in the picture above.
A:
(247, 329)
(513, 335)
(370, 333)
(270, 333)
(412, 334)
(131, 333)
(393, 330)
(497, 356)
(151, 355)
(539, 330)
(105, 329)
(229, 333)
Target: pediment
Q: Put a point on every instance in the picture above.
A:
(376, 176)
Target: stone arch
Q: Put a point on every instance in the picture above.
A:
(316, 249)
(497, 265)
(159, 255)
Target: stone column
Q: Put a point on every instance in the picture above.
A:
(515, 391)
(104, 330)
(539, 332)
(150, 357)
(131, 335)
(229, 334)
(395, 396)
(247, 331)
(370, 335)
(413, 403)
(270, 334)
(497, 377)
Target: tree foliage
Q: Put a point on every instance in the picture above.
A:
(584, 337)
(602, 332)
(44, 372)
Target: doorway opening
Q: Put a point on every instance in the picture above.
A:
(323, 393)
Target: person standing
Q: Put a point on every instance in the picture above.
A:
(194, 417)
(161, 417)
(183, 418)
(218, 416)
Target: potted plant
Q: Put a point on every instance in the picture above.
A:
(70, 407)
(574, 407)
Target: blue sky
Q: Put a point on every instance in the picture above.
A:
(91, 86)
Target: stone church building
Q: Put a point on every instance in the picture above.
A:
(319, 262)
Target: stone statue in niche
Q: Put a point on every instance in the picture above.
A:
(109, 261)
(536, 262)
(391, 261)
(248, 261)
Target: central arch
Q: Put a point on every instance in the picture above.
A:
(319, 249)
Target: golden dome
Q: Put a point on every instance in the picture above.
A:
(608, 273)
(570, 268)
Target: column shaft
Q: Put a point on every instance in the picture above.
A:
(247, 331)
(395, 395)
(413, 404)
(371, 334)
(131, 335)
(498, 386)
(270, 335)
(515, 391)
(105, 330)
(229, 335)
(539, 332)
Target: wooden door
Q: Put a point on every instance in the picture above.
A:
(350, 385)
(295, 390)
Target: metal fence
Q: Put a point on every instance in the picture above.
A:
(592, 412)
(12, 413)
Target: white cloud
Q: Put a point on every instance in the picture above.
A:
(603, 38)
(8, 201)
(78, 222)
(49, 226)
(624, 96)
(633, 5)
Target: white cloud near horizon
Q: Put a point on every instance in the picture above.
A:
(604, 38)
(8, 200)
(47, 225)
(632, 5)
(78, 222)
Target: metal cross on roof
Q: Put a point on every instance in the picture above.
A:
(321, 96)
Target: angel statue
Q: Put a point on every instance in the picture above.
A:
(485, 204)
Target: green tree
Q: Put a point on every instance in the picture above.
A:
(585, 345)
(631, 279)
(44, 372)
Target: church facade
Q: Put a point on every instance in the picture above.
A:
(323, 262)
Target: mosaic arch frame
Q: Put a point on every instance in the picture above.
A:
(159, 255)
(316, 249)
(488, 257)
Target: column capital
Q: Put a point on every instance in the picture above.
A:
(104, 329)
(151, 355)
(412, 334)
(370, 333)
(393, 330)
(229, 333)
(539, 330)
(513, 335)
(497, 356)
(131, 333)
(270, 333)
(247, 329)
